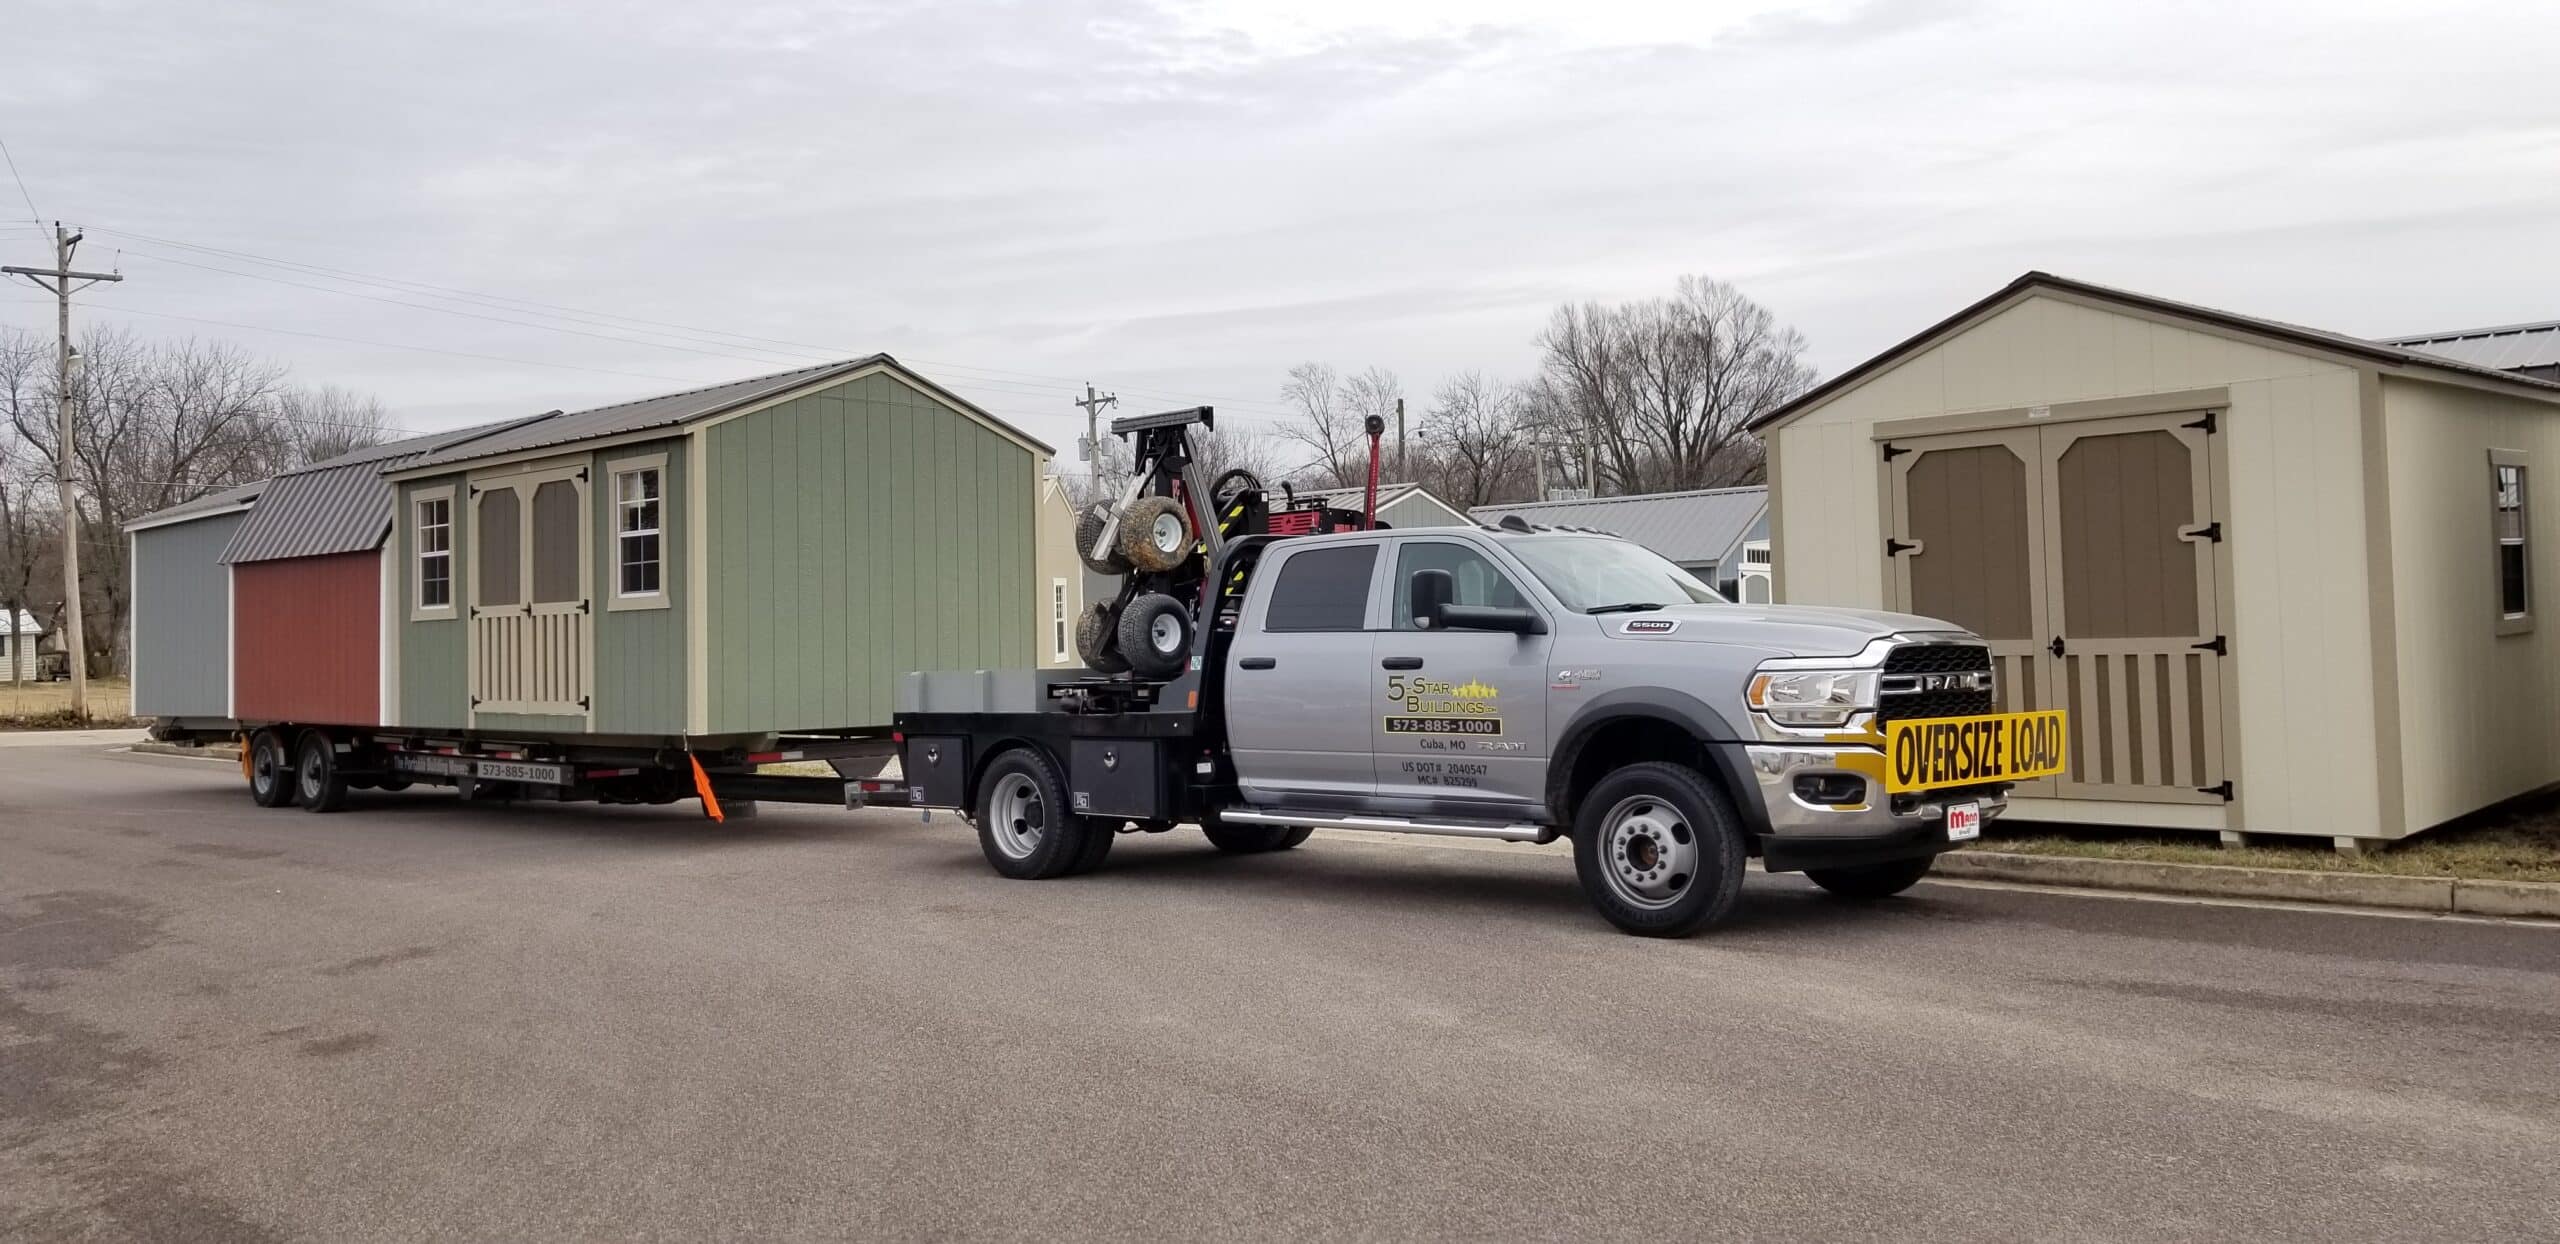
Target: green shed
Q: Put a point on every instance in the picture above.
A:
(753, 558)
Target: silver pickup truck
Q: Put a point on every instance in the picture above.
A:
(1509, 683)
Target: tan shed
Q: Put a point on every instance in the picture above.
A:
(2285, 581)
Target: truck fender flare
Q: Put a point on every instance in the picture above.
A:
(1727, 764)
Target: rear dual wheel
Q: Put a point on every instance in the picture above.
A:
(1025, 827)
(318, 785)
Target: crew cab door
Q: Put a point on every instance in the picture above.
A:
(1298, 674)
(1460, 716)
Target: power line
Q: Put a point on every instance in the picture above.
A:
(32, 213)
(607, 319)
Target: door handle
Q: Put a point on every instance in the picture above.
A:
(1401, 663)
(1257, 663)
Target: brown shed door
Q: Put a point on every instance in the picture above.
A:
(2084, 552)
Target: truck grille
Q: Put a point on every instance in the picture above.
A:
(1900, 700)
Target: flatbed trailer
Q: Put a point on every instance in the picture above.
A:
(315, 766)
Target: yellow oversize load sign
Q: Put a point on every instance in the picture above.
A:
(1970, 751)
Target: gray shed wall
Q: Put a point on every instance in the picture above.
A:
(182, 618)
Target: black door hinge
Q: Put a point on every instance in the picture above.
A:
(582, 704)
(2210, 531)
(1895, 548)
(1893, 451)
(582, 607)
(2222, 788)
(582, 475)
(2219, 646)
(2209, 423)
(2056, 647)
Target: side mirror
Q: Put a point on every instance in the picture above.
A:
(1432, 591)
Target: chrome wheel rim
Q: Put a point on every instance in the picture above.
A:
(1016, 817)
(310, 774)
(1165, 632)
(1166, 533)
(1648, 852)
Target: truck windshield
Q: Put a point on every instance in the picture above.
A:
(1599, 573)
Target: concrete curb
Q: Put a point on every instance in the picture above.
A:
(2438, 894)
(224, 752)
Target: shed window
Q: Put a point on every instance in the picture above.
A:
(501, 526)
(435, 553)
(2511, 524)
(1058, 619)
(639, 557)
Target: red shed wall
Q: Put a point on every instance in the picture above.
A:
(306, 640)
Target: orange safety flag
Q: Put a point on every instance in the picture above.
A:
(244, 758)
(702, 787)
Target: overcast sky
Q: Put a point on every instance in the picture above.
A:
(1181, 200)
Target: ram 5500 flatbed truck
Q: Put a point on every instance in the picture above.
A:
(1509, 683)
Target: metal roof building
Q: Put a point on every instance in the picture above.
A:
(1703, 530)
(1399, 505)
(2523, 349)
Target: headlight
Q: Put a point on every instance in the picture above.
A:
(1813, 697)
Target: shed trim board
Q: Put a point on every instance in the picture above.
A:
(2059, 412)
(2380, 586)
(697, 682)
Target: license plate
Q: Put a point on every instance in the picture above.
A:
(1964, 822)
(1936, 752)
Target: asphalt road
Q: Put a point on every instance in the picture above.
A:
(418, 1019)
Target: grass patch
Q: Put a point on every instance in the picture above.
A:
(2519, 841)
(47, 706)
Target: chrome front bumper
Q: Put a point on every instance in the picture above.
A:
(1776, 767)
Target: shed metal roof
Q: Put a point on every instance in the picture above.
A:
(209, 504)
(2393, 354)
(1688, 527)
(342, 505)
(2509, 347)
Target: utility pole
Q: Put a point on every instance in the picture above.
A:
(1404, 474)
(1093, 403)
(58, 280)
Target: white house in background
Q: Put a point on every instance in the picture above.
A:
(1399, 505)
(1705, 531)
(19, 638)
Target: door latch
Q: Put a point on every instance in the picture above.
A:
(1895, 548)
(2055, 647)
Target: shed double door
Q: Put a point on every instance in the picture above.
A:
(2088, 553)
(532, 612)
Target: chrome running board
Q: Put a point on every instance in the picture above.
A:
(1495, 830)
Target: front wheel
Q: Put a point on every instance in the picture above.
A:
(1024, 826)
(1659, 850)
(1874, 881)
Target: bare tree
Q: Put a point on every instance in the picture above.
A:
(1321, 421)
(1665, 390)
(24, 533)
(325, 422)
(1475, 449)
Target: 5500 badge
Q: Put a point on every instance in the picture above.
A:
(1429, 707)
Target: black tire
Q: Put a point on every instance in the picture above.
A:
(1089, 525)
(317, 784)
(1874, 881)
(1156, 534)
(270, 770)
(1024, 826)
(1100, 833)
(1659, 850)
(1253, 839)
(1295, 838)
(1155, 635)
(1097, 640)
